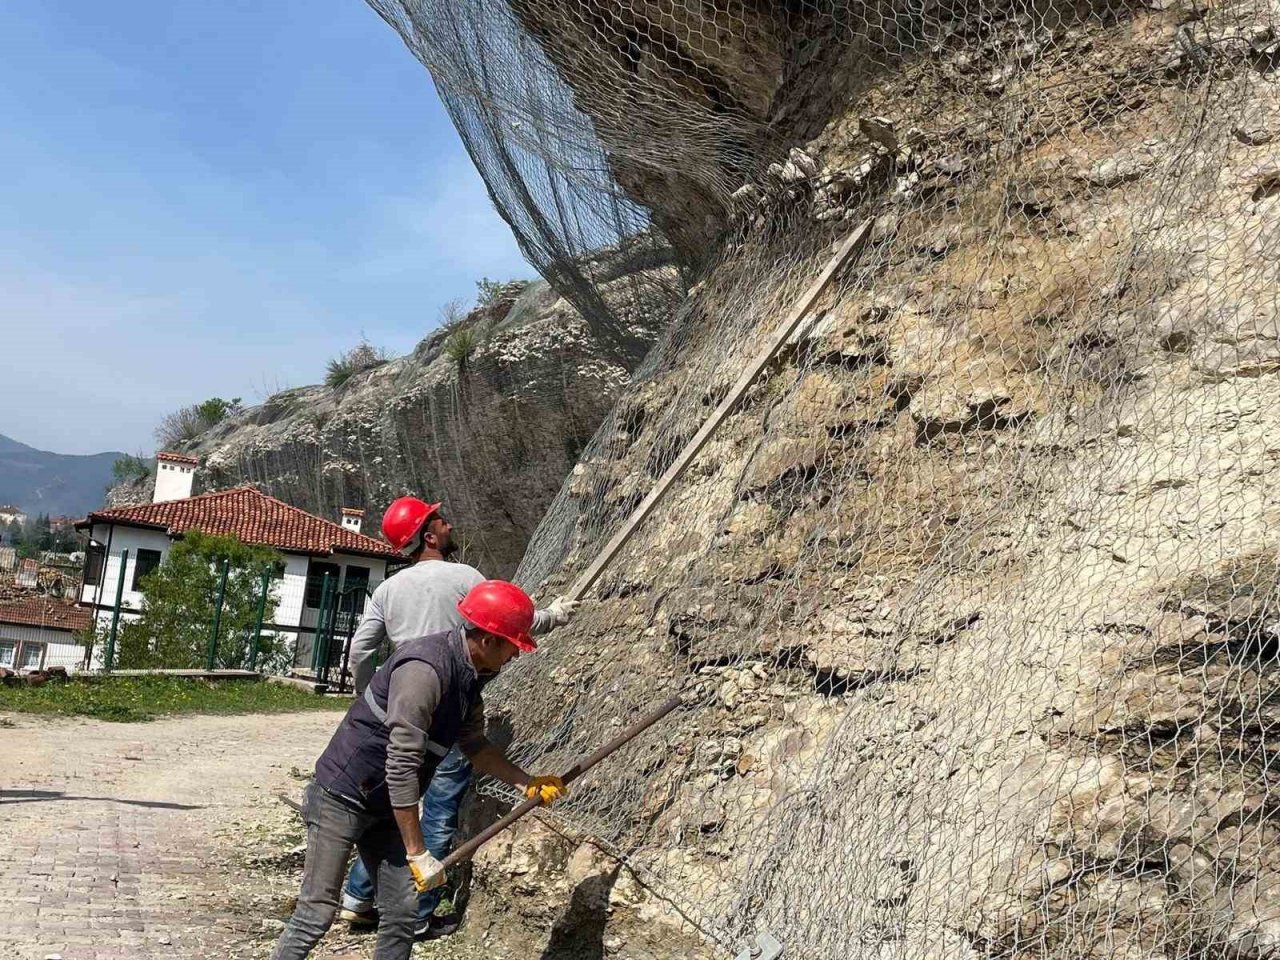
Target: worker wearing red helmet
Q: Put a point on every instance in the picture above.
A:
(425, 699)
(423, 598)
(419, 601)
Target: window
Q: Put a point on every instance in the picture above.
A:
(8, 653)
(147, 561)
(31, 656)
(315, 581)
(94, 560)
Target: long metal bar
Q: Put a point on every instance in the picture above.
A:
(468, 849)
(852, 245)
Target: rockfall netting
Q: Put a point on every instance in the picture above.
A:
(975, 596)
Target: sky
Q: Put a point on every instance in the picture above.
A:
(213, 199)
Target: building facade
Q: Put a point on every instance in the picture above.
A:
(39, 632)
(322, 560)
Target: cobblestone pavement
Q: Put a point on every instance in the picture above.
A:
(138, 840)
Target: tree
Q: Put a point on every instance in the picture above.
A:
(65, 538)
(214, 410)
(130, 469)
(488, 291)
(13, 533)
(178, 606)
(453, 313)
(39, 533)
(184, 425)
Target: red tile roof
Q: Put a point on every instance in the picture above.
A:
(178, 458)
(38, 611)
(252, 516)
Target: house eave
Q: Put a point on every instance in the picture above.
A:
(93, 519)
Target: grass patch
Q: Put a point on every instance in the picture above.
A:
(132, 699)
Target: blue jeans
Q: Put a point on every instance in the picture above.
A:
(439, 823)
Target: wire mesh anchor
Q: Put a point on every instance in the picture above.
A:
(766, 947)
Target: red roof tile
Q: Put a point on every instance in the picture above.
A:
(252, 516)
(38, 611)
(178, 458)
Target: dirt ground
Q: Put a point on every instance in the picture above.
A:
(161, 839)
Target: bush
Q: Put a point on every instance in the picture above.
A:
(461, 345)
(488, 291)
(130, 469)
(214, 410)
(453, 314)
(178, 600)
(363, 356)
(185, 425)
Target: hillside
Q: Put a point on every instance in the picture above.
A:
(973, 599)
(491, 430)
(58, 484)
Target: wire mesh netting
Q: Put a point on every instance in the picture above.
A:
(487, 415)
(974, 597)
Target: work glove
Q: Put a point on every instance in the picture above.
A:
(562, 610)
(428, 872)
(546, 789)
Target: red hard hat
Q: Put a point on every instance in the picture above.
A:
(500, 608)
(404, 520)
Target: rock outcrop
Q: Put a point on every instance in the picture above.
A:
(488, 417)
(974, 596)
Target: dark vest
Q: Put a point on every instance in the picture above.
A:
(354, 764)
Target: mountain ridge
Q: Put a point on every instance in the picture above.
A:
(59, 484)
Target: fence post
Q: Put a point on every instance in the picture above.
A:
(115, 613)
(262, 609)
(217, 613)
(319, 651)
(346, 647)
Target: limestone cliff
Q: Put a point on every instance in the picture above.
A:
(490, 422)
(974, 596)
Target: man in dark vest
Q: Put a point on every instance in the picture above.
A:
(419, 704)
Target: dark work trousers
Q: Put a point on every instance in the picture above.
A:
(333, 828)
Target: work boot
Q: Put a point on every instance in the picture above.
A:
(359, 918)
(437, 927)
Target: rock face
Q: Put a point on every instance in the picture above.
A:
(974, 596)
(490, 430)
(706, 73)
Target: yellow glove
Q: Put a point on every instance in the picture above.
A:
(428, 872)
(546, 789)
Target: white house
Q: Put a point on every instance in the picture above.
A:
(133, 541)
(39, 632)
(10, 513)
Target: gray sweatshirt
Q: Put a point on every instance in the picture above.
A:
(414, 603)
(412, 699)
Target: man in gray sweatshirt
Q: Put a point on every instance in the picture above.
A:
(421, 601)
(423, 701)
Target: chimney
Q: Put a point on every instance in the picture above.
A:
(174, 475)
(352, 519)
